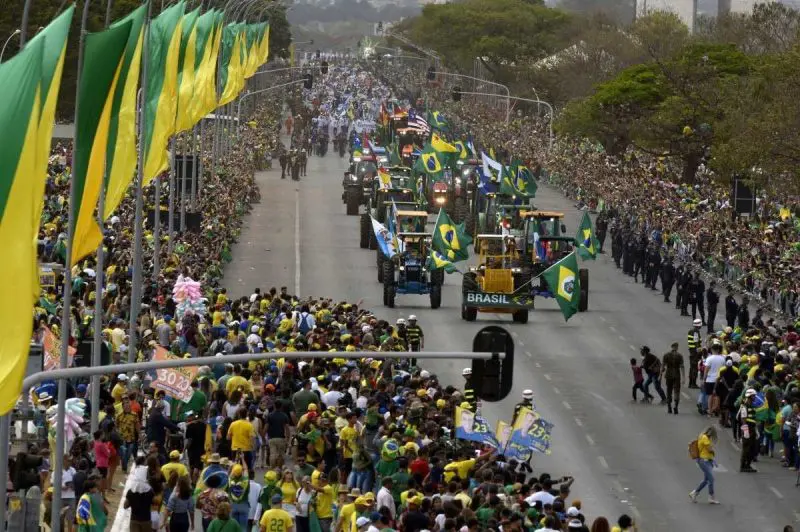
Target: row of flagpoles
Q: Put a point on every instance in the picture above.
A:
(162, 74)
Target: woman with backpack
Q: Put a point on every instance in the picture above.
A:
(702, 451)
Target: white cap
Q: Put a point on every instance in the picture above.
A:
(362, 521)
(412, 317)
(254, 329)
(219, 355)
(114, 220)
(527, 394)
(466, 371)
(573, 512)
(424, 374)
(401, 321)
(122, 377)
(698, 322)
(366, 328)
(750, 392)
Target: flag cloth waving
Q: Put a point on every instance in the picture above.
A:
(437, 261)
(437, 121)
(20, 154)
(103, 55)
(585, 239)
(429, 163)
(518, 181)
(562, 280)
(449, 239)
(472, 427)
(441, 145)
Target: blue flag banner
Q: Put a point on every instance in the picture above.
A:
(530, 432)
(472, 427)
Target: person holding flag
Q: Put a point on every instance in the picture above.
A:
(585, 239)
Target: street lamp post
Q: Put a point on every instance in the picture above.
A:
(508, 92)
(14, 34)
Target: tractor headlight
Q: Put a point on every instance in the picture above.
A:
(402, 268)
(516, 270)
(353, 177)
(356, 159)
(458, 181)
(440, 200)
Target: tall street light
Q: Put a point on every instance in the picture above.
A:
(14, 34)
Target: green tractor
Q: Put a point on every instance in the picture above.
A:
(377, 209)
(357, 182)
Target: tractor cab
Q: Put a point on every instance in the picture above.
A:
(545, 240)
(407, 273)
(411, 221)
(401, 177)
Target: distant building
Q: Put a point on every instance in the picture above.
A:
(685, 9)
(740, 6)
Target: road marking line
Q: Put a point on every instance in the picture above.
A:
(547, 377)
(556, 391)
(529, 353)
(297, 242)
(602, 318)
(590, 440)
(602, 462)
(521, 343)
(122, 519)
(721, 468)
(537, 365)
(633, 347)
(777, 493)
(566, 405)
(514, 334)
(685, 395)
(612, 328)
(735, 445)
(578, 422)
(621, 337)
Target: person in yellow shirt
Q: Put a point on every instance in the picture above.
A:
(288, 486)
(120, 389)
(705, 461)
(325, 496)
(286, 324)
(242, 436)
(276, 519)
(347, 440)
(346, 511)
(174, 466)
(237, 382)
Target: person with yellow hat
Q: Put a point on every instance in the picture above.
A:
(174, 466)
(239, 493)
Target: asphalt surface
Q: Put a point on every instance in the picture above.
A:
(627, 458)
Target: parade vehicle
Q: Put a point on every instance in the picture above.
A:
(489, 211)
(405, 221)
(498, 284)
(377, 209)
(544, 243)
(465, 189)
(357, 182)
(406, 272)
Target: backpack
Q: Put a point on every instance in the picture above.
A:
(694, 450)
(303, 325)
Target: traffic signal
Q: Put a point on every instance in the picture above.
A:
(323, 67)
(308, 81)
(456, 94)
(492, 379)
(431, 74)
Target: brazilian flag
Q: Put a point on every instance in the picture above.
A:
(562, 279)
(437, 121)
(430, 163)
(437, 261)
(518, 181)
(449, 239)
(585, 240)
(464, 152)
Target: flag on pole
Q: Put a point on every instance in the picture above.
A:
(208, 75)
(54, 38)
(562, 280)
(206, 28)
(20, 155)
(437, 261)
(102, 61)
(449, 239)
(585, 240)
(163, 49)
(187, 69)
(231, 62)
(121, 154)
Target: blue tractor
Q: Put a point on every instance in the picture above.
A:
(407, 272)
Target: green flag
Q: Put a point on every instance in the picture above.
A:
(562, 279)
(437, 121)
(449, 239)
(517, 180)
(430, 163)
(437, 261)
(585, 239)
(394, 154)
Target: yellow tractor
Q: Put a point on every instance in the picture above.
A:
(498, 284)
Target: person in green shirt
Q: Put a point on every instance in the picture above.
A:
(400, 479)
(224, 522)
(197, 403)
(303, 398)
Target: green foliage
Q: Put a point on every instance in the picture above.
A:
(505, 32)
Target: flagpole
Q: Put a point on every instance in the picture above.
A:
(97, 343)
(156, 228)
(197, 183)
(186, 136)
(171, 199)
(136, 288)
(58, 466)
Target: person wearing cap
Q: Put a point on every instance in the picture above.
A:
(276, 519)
(239, 494)
(363, 523)
(174, 466)
(237, 382)
(469, 391)
(120, 389)
(674, 373)
(415, 520)
(527, 402)
(693, 342)
(414, 336)
(746, 418)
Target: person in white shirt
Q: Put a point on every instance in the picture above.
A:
(712, 364)
(384, 497)
(543, 495)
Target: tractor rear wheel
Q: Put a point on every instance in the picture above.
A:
(469, 313)
(583, 278)
(380, 266)
(520, 316)
(436, 296)
(353, 201)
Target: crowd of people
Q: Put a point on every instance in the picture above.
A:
(293, 441)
